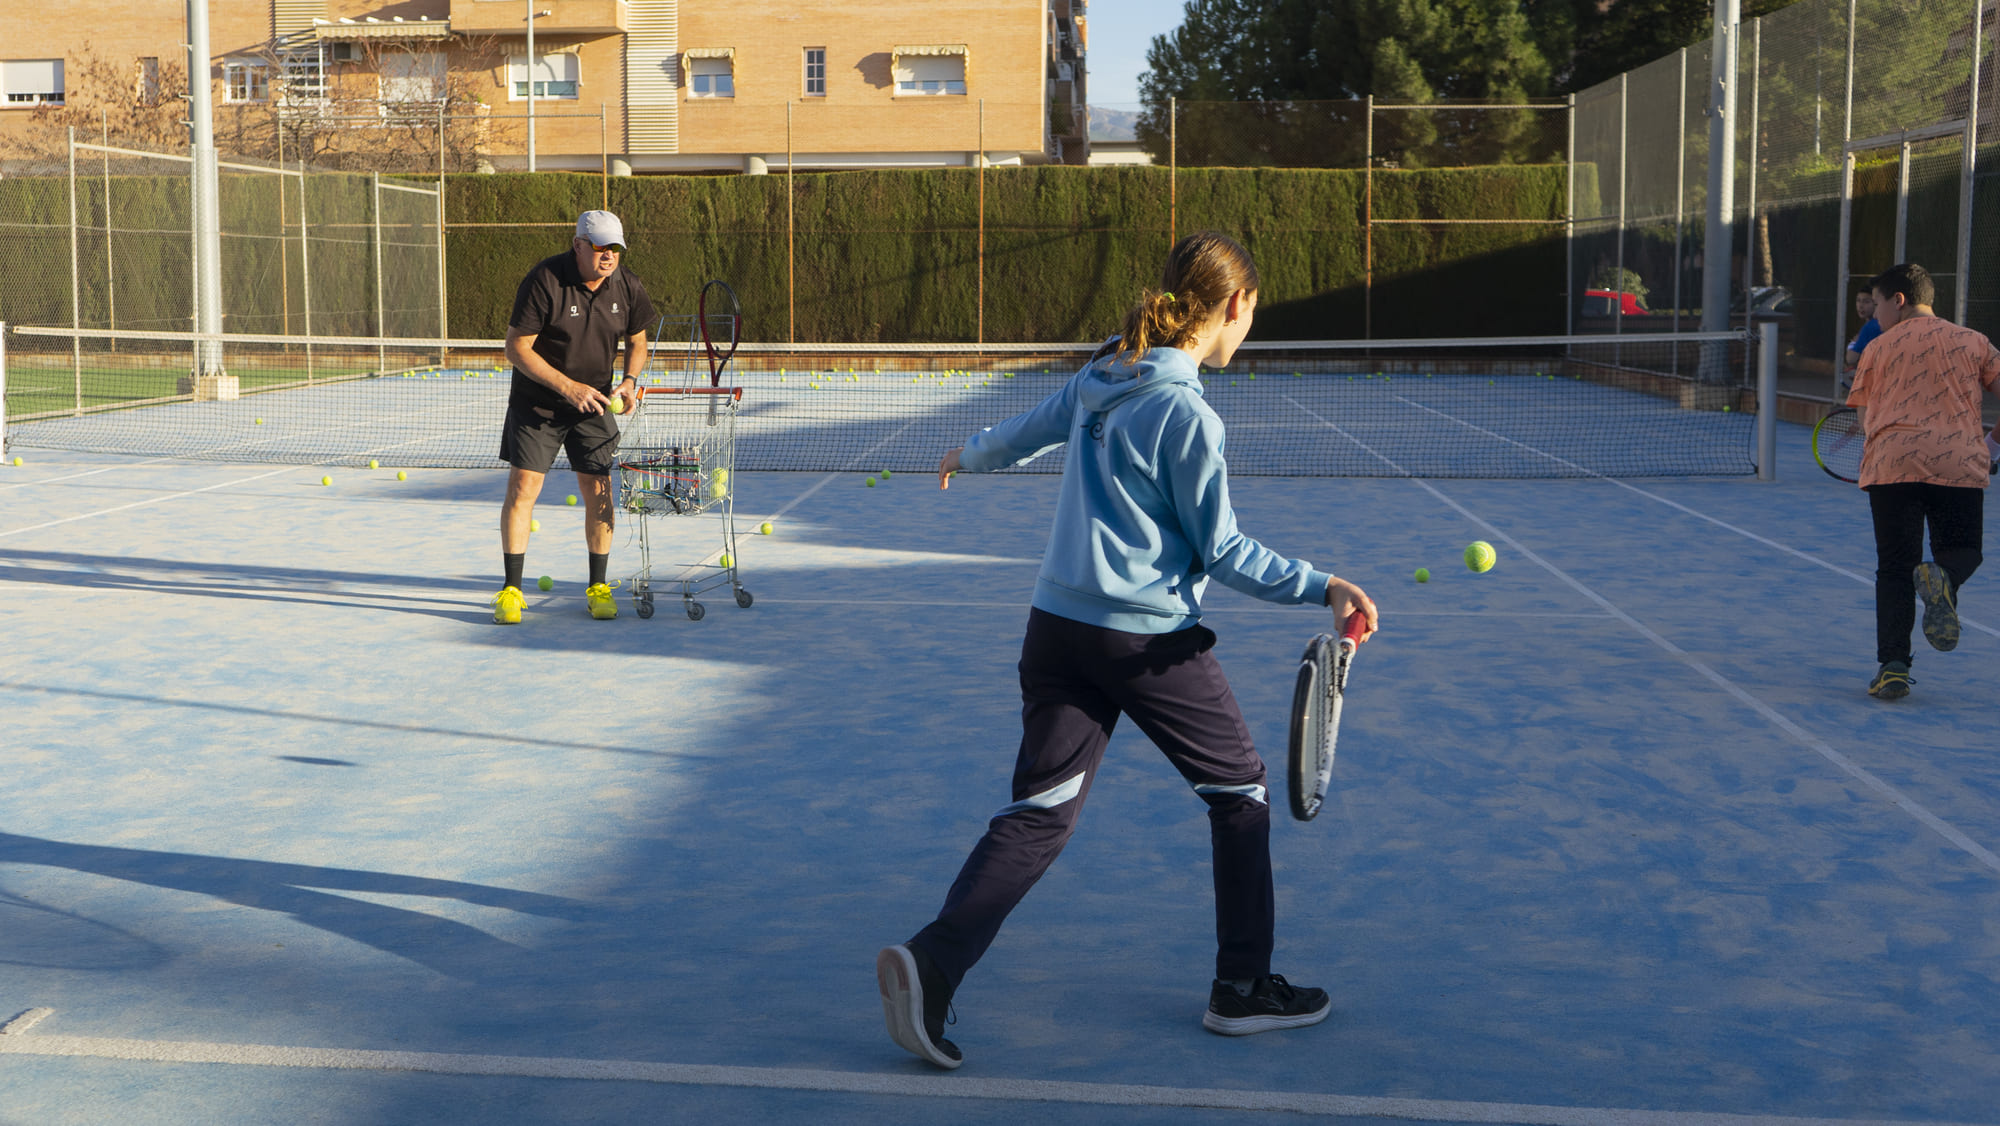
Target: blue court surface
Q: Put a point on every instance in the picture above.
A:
(291, 832)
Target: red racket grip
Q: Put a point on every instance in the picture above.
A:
(1357, 624)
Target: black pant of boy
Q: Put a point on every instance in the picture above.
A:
(1901, 511)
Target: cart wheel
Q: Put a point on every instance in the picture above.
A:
(695, 610)
(743, 598)
(645, 605)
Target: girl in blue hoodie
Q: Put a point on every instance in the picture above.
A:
(1142, 523)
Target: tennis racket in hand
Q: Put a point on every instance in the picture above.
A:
(721, 331)
(1316, 714)
(1836, 444)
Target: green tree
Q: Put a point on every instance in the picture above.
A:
(1302, 52)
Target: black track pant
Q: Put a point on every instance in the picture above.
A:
(1076, 680)
(1955, 516)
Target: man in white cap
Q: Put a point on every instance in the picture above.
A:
(569, 315)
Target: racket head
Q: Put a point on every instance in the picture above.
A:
(1837, 443)
(1314, 725)
(718, 340)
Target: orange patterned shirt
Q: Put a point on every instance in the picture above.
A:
(1919, 383)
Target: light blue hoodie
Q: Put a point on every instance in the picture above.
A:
(1143, 519)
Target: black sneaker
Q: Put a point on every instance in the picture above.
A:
(1940, 616)
(1273, 1003)
(1892, 682)
(915, 1002)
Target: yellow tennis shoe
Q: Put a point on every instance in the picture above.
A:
(603, 606)
(507, 606)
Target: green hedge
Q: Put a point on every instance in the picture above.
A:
(893, 256)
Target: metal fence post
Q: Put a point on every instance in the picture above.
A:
(381, 350)
(1368, 223)
(1767, 401)
(75, 282)
(1969, 157)
(1569, 231)
(1846, 245)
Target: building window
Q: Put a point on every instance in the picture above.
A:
(711, 78)
(32, 82)
(556, 76)
(146, 85)
(408, 77)
(920, 75)
(305, 73)
(815, 72)
(245, 81)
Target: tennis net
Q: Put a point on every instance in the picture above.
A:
(1508, 407)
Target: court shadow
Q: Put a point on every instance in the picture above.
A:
(296, 585)
(308, 893)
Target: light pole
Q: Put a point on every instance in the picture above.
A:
(532, 14)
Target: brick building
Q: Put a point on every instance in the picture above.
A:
(641, 85)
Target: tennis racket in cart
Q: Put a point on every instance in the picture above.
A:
(1836, 444)
(721, 331)
(1316, 714)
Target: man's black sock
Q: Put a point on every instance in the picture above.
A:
(599, 564)
(514, 562)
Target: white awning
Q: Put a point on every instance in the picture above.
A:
(931, 49)
(692, 53)
(373, 28)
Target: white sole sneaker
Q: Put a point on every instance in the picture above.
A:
(903, 1007)
(1248, 1026)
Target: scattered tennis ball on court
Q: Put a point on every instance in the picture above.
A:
(570, 500)
(546, 583)
(871, 482)
(17, 463)
(765, 528)
(727, 560)
(402, 476)
(1423, 574)
(1479, 557)
(534, 525)
(373, 464)
(886, 474)
(260, 422)
(326, 480)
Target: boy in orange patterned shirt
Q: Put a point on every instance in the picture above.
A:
(1926, 460)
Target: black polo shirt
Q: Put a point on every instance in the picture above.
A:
(576, 329)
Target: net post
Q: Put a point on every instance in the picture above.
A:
(1767, 401)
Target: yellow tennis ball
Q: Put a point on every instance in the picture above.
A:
(402, 476)
(720, 475)
(546, 583)
(570, 500)
(17, 463)
(260, 422)
(617, 404)
(1423, 574)
(1479, 556)
(534, 525)
(373, 464)
(871, 482)
(766, 529)
(727, 560)
(886, 474)
(326, 480)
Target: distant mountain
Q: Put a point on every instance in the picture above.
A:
(1113, 124)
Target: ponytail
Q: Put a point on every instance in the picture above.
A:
(1202, 270)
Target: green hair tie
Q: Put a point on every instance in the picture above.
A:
(1168, 295)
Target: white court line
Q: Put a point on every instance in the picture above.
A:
(1022, 604)
(150, 500)
(1812, 742)
(1723, 524)
(15, 1041)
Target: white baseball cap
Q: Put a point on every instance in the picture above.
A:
(600, 228)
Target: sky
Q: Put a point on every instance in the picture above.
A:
(1120, 31)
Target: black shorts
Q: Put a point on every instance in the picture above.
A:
(531, 436)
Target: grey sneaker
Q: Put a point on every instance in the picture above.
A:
(1892, 682)
(915, 1004)
(1273, 1003)
(1940, 615)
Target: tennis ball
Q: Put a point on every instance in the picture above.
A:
(1479, 557)
(17, 463)
(373, 464)
(570, 500)
(727, 560)
(721, 475)
(617, 404)
(326, 480)
(402, 476)
(871, 482)
(766, 528)
(546, 583)
(886, 474)
(534, 525)
(260, 422)
(1423, 574)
